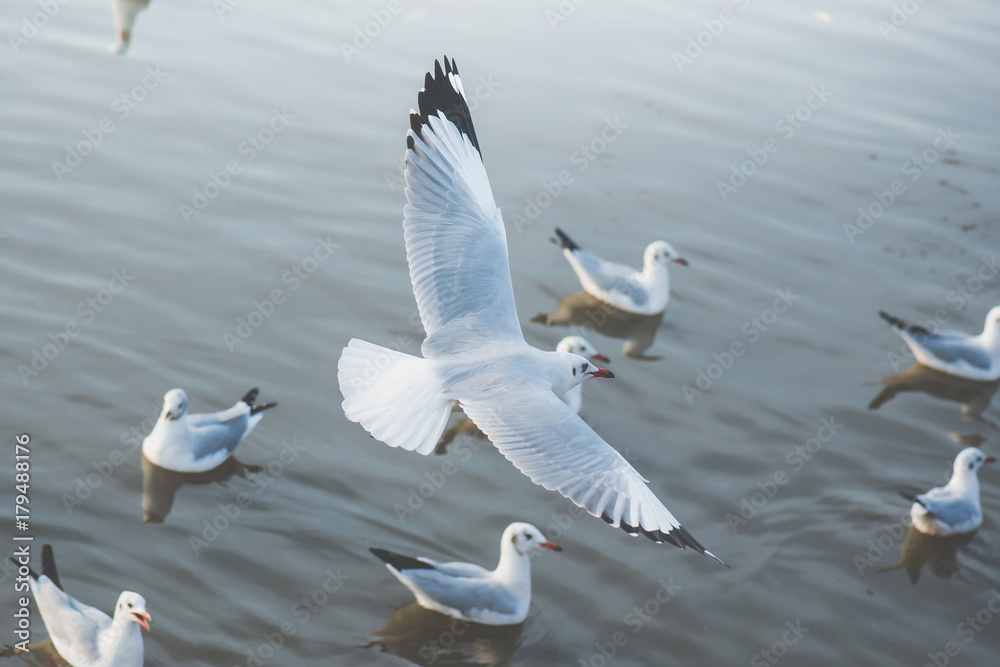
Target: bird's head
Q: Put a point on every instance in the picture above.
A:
(658, 253)
(581, 346)
(133, 608)
(971, 459)
(526, 539)
(572, 369)
(175, 403)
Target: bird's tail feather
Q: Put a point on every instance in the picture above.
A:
(564, 241)
(902, 324)
(395, 396)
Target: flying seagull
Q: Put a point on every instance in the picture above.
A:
(474, 354)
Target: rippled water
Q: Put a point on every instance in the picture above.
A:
(294, 142)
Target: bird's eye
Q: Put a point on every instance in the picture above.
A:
(527, 536)
(584, 367)
(129, 605)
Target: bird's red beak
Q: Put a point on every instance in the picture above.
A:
(168, 415)
(601, 373)
(597, 356)
(143, 618)
(990, 459)
(550, 545)
(681, 261)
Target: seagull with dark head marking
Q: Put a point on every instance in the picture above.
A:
(474, 354)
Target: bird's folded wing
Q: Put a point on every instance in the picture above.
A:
(211, 438)
(75, 624)
(946, 507)
(550, 444)
(953, 349)
(465, 594)
(455, 241)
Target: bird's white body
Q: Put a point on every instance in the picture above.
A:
(193, 443)
(955, 507)
(645, 292)
(974, 357)
(470, 592)
(87, 637)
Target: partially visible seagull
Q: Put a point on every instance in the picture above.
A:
(953, 352)
(953, 508)
(199, 442)
(85, 636)
(581, 346)
(470, 592)
(645, 292)
(475, 354)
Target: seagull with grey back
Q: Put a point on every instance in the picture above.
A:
(474, 354)
(645, 292)
(82, 635)
(953, 508)
(470, 592)
(199, 442)
(975, 357)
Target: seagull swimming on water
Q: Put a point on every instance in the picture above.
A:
(475, 354)
(470, 592)
(645, 292)
(196, 443)
(975, 357)
(953, 508)
(82, 635)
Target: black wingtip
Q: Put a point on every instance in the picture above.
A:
(399, 561)
(254, 409)
(31, 573)
(251, 396)
(679, 537)
(49, 565)
(899, 323)
(441, 98)
(564, 241)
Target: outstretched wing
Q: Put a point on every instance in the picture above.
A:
(455, 241)
(556, 449)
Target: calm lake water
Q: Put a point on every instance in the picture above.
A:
(220, 208)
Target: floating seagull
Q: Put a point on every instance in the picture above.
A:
(645, 292)
(85, 636)
(581, 346)
(470, 592)
(953, 508)
(474, 354)
(197, 443)
(954, 352)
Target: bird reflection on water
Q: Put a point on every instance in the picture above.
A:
(159, 485)
(583, 310)
(975, 396)
(940, 553)
(425, 637)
